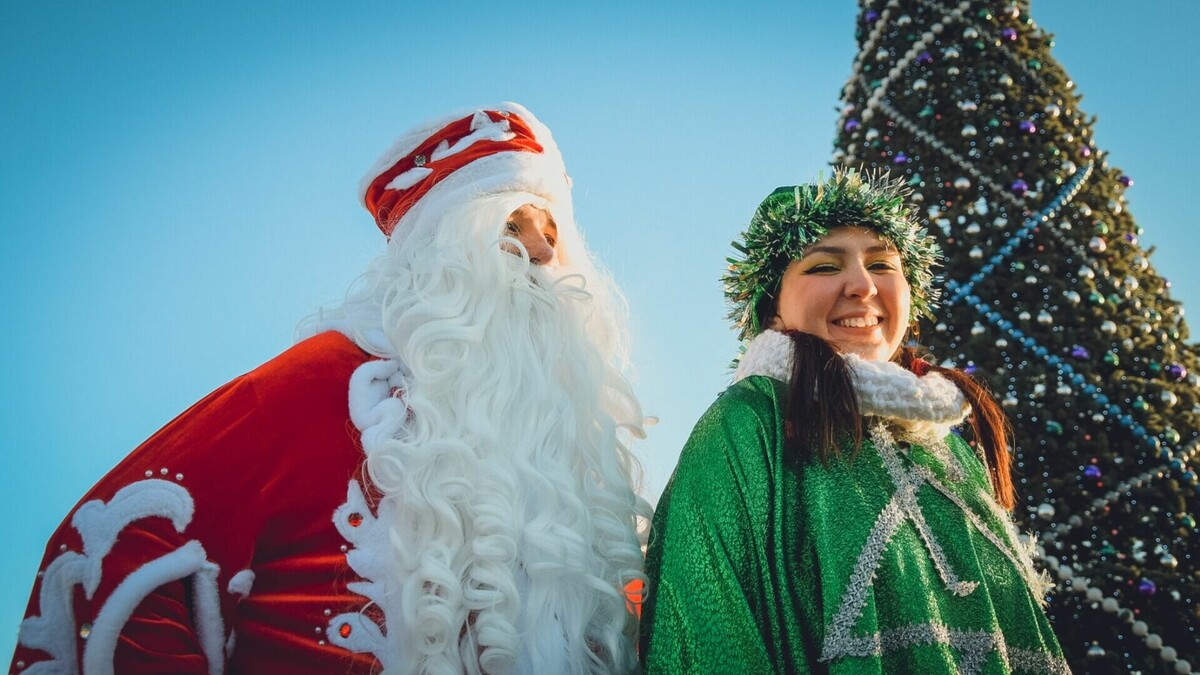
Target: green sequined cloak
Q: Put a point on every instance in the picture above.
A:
(758, 567)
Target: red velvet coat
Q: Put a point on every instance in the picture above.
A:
(212, 547)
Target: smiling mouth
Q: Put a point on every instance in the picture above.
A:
(858, 322)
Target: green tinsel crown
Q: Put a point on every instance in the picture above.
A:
(793, 218)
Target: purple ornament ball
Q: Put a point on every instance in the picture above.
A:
(872, 16)
(900, 158)
(1092, 471)
(851, 124)
(1176, 371)
(1085, 151)
(1080, 352)
(1020, 187)
(1009, 34)
(924, 58)
(1126, 181)
(1027, 126)
(1147, 587)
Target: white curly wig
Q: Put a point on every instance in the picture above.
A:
(514, 492)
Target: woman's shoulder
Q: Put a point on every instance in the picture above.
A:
(745, 420)
(970, 460)
(727, 462)
(757, 395)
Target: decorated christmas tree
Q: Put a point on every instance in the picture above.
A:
(1051, 300)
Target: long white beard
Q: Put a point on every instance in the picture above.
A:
(510, 480)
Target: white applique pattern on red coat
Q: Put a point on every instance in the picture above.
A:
(99, 524)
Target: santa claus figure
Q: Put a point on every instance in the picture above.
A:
(436, 480)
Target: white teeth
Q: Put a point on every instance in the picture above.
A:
(858, 322)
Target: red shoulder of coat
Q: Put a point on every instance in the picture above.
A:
(292, 408)
(320, 363)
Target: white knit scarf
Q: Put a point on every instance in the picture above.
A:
(926, 407)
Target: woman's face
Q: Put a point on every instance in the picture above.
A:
(536, 230)
(850, 290)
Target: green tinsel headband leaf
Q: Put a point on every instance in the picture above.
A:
(793, 218)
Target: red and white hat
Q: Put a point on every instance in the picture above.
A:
(471, 154)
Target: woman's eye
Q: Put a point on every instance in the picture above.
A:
(822, 269)
(550, 240)
(511, 228)
(883, 266)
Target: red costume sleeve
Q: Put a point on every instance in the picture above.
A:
(126, 579)
(148, 572)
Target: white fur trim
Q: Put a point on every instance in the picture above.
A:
(409, 178)
(369, 557)
(482, 129)
(371, 386)
(210, 626)
(241, 583)
(364, 637)
(375, 412)
(928, 406)
(99, 523)
(187, 560)
(54, 631)
(368, 387)
(373, 408)
(504, 172)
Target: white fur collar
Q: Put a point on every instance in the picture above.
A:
(927, 405)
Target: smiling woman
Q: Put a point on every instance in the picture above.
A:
(823, 517)
(848, 290)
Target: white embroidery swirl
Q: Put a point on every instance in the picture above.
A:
(55, 630)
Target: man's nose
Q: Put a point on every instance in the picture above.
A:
(540, 251)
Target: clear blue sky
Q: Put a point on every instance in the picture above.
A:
(177, 183)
